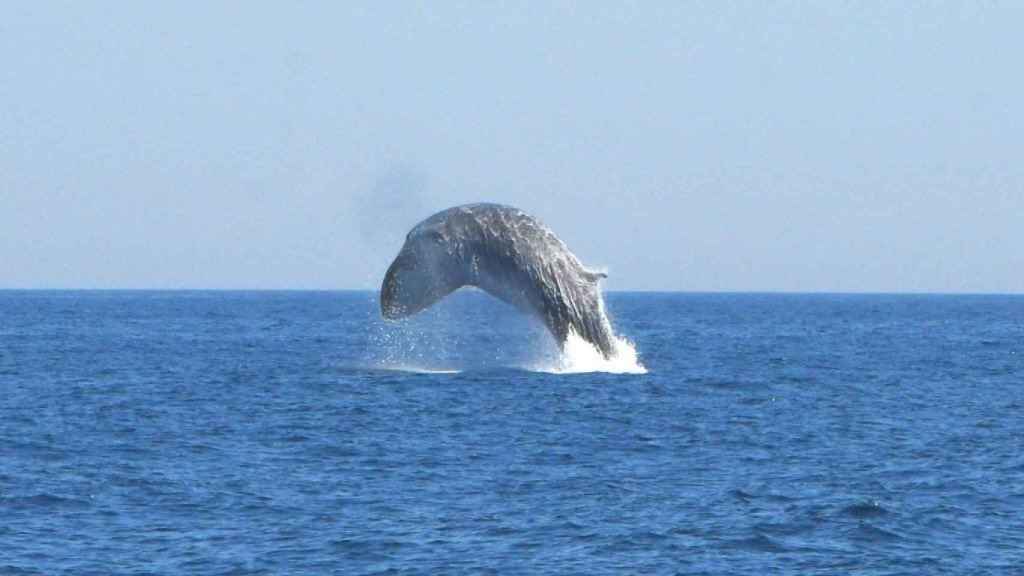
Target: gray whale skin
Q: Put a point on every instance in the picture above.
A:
(506, 253)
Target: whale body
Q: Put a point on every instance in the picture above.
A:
(506, 253)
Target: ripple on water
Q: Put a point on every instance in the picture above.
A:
(758, 542)
(865, 509)
(865, 532)
(42, 501)
(233, 442)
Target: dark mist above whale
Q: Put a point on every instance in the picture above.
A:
(506, 253)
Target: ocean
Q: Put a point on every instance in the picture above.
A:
(213, 432)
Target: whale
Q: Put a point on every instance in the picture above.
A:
(506, 253)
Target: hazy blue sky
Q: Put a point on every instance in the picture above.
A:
(685, 146)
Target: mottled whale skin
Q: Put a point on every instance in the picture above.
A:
(506, 253)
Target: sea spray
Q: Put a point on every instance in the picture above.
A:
(579, 356)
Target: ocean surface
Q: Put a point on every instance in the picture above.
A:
(296, 433)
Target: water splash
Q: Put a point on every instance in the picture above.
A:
(421, 370)
(579, 356)
(468, 333)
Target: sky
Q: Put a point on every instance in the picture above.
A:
(697, 146)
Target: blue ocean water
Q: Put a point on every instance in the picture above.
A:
(296, 433)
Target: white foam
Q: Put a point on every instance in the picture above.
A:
(418, 370)
(579, 356)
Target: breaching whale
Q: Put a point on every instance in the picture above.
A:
(506, 253)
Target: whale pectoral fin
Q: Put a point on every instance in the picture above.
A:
(593, 276)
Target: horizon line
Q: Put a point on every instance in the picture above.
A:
(620, 291)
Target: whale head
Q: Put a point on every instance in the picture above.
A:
(425, 270)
